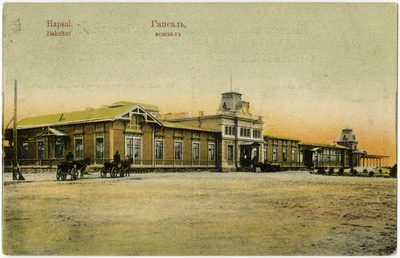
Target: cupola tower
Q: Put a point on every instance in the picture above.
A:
(348, 139)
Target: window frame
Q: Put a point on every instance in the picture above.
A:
(76, 146)
(179, 151)
(195, 150)
(159, 148)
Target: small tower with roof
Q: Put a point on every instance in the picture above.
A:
(348, 139)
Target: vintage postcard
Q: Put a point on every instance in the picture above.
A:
(199, 128)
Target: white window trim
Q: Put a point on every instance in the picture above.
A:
(77, 137)
(98, 136)
(180, 141)
(161, 139)
(208, 154)
(134, 136)
(198, 143)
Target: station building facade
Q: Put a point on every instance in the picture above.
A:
(283, 151)
(244, 143)
(132, 129)
(316, 155)
(233, 139)
(241, 133)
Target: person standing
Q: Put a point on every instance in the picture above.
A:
(117, 158)
(70, 157)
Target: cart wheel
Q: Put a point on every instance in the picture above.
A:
(114, 172)
(74, 174)
(103, 172)
(58, 174)
(63, 175)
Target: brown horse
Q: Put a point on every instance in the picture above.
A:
(81, 165)
(121, 168)
(126, 165)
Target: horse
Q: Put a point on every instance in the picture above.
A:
(65, 168)
(81, 165)
(126, 164)
(121, 168)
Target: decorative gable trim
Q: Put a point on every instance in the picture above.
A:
(139, 110)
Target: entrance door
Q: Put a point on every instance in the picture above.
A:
(245, 156)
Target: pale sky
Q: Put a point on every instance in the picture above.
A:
(310, 69)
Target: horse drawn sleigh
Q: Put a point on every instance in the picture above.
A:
(116, 169)
(73, 169)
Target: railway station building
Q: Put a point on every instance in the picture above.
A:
(132, 129)
(232, 139)
(241, 133)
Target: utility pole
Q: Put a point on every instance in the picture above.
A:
(4, 128)
(15, 142)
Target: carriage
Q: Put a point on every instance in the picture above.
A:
(72, 168)
(268, 167)
(117, 169)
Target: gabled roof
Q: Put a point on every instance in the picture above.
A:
(105, 113)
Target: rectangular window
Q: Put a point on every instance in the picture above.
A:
(41, 149)
(24, 152)
(195, 150)
(334, 155)
(60, 147)
(178, 149)
(211, 151)
(159, 148)
(99, 147)
(229, 130)
(245, 132)
(326, 154)
(256, 133)
(265, 153)
(133, 146)
(275, 155)
(284, 155)
(230, 152)
(129, 147)
(137, 148)
(294, 154)
(78, 147)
